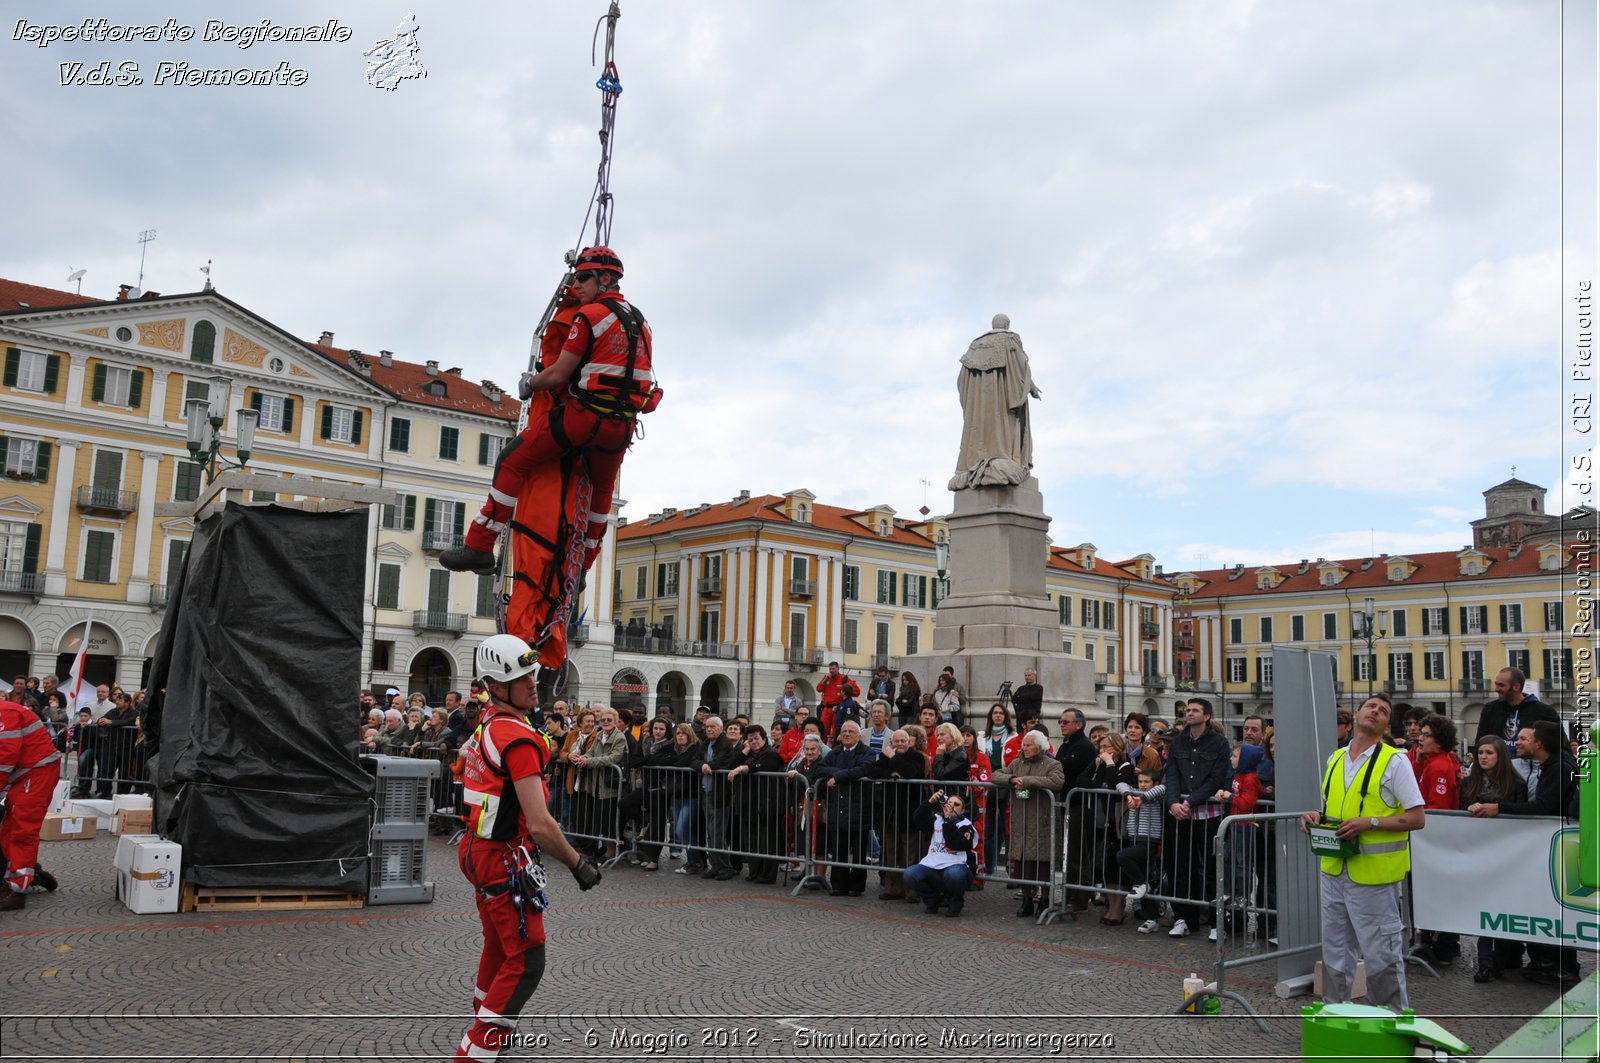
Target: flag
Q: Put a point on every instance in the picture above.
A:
(82, 694)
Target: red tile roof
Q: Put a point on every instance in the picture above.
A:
(1061, 560)
(770, 508)
(1441, 567)
(15, 295)
(408, 381)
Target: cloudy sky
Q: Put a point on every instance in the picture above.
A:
(1293, 275)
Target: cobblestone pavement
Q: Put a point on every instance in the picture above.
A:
(649, 965)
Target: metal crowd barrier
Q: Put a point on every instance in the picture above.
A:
(111, 761)
(592, 801)
(1249, 851)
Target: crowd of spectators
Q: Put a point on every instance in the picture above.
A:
(887, 777)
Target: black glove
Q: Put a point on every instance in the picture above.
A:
(587, 872)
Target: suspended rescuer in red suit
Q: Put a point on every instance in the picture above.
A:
(509, 829)
(604, 367)
(29, 769)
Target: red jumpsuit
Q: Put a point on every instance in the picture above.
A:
(502, 750)
(594, 417)
(831, 691)
(29, 769)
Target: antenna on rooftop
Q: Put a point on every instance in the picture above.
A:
(77, 275)
(206, 269)
(145, 237)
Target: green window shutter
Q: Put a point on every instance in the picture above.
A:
(136, 390)
(461, 520)
(922, 591)
(429, 512)
(41, 461)
(355, 428)
(30, 549)
(99, 393)
(52, 373)
(288, 415)
(255, 401)
(388, 586)
(483, 448)
(13, 366)
(411, 513)
(327, 422)
(3, 448)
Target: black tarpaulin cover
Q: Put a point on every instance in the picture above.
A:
(260, 655)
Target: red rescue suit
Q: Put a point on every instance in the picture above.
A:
(611, 386)
(30, 765)
(503, 749)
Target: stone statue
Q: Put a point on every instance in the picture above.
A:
(996, 440)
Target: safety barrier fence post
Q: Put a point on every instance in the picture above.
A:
(1249, 889)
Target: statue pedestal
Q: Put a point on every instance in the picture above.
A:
(998, 619)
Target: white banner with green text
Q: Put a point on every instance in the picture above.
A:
(1507, 876)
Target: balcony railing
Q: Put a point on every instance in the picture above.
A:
(577, 634)
(883, 660)
(107, 498)
(801, 657)
(21, 583)
(1397, 686)
(158, 595)
(1149, 629)
(1474, 686)
(674, 647)
(709, 585)
(803, 588)
(1155, 683)
(432, 620)
(434, 541)
(1261, 688)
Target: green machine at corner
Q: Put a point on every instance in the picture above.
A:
(1341, 1032)
(1589, 811)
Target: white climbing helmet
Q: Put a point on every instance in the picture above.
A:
(502, 658)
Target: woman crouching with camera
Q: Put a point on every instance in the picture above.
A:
(943, 875)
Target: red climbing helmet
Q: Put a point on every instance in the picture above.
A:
(598, 258)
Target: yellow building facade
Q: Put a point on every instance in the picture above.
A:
(93, 440)
(1443, 625)
(722, 603)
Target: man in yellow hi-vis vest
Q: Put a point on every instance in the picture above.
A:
(1370, 797)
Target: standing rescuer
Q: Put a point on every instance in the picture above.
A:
(1371, 800)
(605, 367)
(509, 828)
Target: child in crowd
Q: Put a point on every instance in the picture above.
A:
(1141, 837)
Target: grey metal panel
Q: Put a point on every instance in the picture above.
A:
(1305, 725)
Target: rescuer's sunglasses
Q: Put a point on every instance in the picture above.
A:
(586, 275)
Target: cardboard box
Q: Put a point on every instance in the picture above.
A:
(130, 801)
(133, 821)
(97, 808)
(148, 883)
(61, 827)
(122, 862)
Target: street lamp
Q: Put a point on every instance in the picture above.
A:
(941, 564)
(1362, 627)
(203, 430)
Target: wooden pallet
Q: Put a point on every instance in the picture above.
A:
(256, 899)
